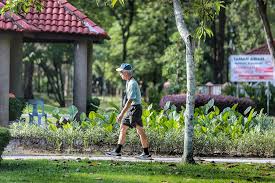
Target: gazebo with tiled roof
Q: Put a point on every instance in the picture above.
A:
(58, 22)
(261, 50)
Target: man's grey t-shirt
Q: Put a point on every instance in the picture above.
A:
(133, 91)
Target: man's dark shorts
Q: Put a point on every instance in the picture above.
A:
(133, 116)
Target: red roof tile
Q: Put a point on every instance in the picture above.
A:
(57, 16)
(261, 50)
(12, 22)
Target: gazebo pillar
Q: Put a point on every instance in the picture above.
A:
(16, 56)
(80, 76)
(4, 79)
(89, 69)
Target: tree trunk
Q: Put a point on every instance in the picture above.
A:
(190, 98)
(220, 46)
(261, 6)
(125, 22)
(89, 70)
(55, 80)
(124, 47)
(29, 67)
(219, 39)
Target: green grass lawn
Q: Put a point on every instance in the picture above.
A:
(106, 100)
(126, 172)
(50, 104)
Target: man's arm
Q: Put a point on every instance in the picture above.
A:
(124, 110)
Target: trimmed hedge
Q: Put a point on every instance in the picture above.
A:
(16, 106)
(259, 144)
(92, 104)
(179, 100)
(5, 137)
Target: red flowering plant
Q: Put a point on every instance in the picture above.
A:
(179, 100)
(16, 106)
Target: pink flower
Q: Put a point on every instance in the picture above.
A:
(11, 95)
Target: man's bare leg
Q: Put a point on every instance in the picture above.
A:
(122, 134)
(142, 136)
(121, 142)
(144, 141)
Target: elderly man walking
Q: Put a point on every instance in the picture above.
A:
(130, 115)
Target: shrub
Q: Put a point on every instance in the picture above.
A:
(221, 101)
(250, 143)
(4, 139)
(92, 104)
(215, 131)
(16, 106)
(256, 93)
(255, 143)
(154, 95)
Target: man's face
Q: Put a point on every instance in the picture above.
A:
(123, 75)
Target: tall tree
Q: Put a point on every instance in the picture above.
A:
(191, 86)
(149, 40)
(125, 20)
(262, 9)
(51, 59)
(28, 60)
(206, 10)
(219, 41)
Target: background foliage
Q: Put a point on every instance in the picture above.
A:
(144, 34)
(216, 131)
(5, 137)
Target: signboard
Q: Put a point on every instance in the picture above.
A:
(251, 68)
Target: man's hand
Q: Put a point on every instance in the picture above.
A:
(119, 118)
(124, 110)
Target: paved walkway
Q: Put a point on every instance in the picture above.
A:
(133, 159)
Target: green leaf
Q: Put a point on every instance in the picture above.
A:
(167, 105)
(261, 112)
(208, 31)
(247, 110)
(146, 113)
(217, 7)
(234, 107)
(83, 116)
(52, 127)
(211, 115)
(112, 104)
(251, 115)
(55, 111)
(203, 129)
(100, 116)
(25, 8)
(209, 105)
(173, 107)
(92, 115)
(225, 116)
(114, 2)
(169, 124)
(217, 110)
(84, 124)
(150, 107)
(72, 112)
(67, 126)
(112, 119)
(108, 128)
(61, 119)
(240, 120)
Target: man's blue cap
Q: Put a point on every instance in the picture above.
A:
(124, 66)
